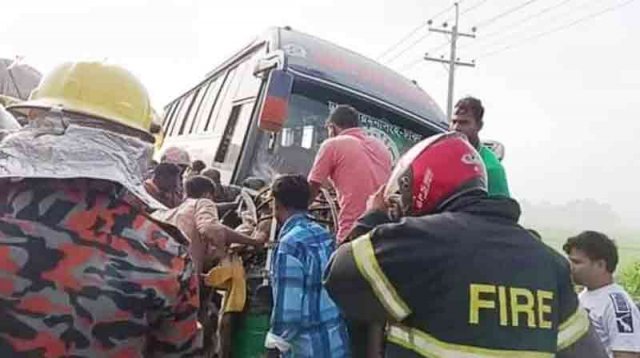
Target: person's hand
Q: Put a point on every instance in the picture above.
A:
(260, 237)
(377, 200)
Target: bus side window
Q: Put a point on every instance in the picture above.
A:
(197, 103)
(225, 141)
(187, 115)
(168, 116)
(177, 116)
(208, 104)
(223, 103)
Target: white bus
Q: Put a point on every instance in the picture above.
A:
(262, 112)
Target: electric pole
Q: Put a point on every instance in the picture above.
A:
(453, 60)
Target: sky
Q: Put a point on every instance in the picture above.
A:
(564, 104)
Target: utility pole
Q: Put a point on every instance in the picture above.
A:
(453, 60)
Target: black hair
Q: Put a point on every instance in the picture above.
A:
(213, 174)
(472, 106)
(198, 166)
(291, 191)
(344, 116)
(198, 185)
(596, 245)
(166, 171)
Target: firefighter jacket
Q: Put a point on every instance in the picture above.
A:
(466, 282)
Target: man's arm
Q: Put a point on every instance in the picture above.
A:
(618, 354)
(350, 290)
(209, 225)
(357, 282)
(589, 345)
(366, 223)
(288, 290)
(622, 320)
(321, 170)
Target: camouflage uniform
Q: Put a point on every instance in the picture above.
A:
(84, 270)
(86, 273)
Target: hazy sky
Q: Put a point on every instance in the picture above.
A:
(565, 105)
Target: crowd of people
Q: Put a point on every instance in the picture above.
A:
(104, 254)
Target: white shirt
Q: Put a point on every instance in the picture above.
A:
(614, 316)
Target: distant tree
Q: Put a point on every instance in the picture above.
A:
(630, 279)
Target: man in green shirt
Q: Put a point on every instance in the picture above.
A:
(467, 119)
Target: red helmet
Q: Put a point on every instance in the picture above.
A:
(435, 171)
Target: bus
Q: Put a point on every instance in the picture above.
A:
(262, 112)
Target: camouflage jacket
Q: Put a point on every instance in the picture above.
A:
(85, 272)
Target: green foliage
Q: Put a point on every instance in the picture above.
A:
(630, 279)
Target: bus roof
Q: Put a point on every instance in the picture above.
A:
(323, 60)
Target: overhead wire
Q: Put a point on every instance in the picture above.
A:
(415, 30)
(505, 13)
(482, 41)
(557, 29)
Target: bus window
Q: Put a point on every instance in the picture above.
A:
(171, 108)
(188, 115)
(225, 141)
(175, 118)
(307, 136)
(304, 130)
(197, 104)
(208, 104)
(223, 103)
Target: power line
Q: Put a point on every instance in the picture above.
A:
(525, 20)
(519, 23)
(408, 47)
(477, 5)
(557, 29)
(410, 65)
(439, 47)
(505, 13)
(410, 34)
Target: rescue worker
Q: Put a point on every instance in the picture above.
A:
(450, 277)
(85, 271)
(468, 119)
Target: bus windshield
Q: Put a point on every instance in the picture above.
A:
(293, 149)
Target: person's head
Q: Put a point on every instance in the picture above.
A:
(467, 119)
(177, 156)
(434, 172)
(341, 118)
(213, 174)
(197, 167)
(593, 258)
(199, 187)
(290, 195)
(166, 176)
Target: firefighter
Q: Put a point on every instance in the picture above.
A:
(456, 276)
(86, 271)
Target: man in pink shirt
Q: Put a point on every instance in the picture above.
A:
(355, 163)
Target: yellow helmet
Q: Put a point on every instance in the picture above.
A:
(156, 130)
(94, 89)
